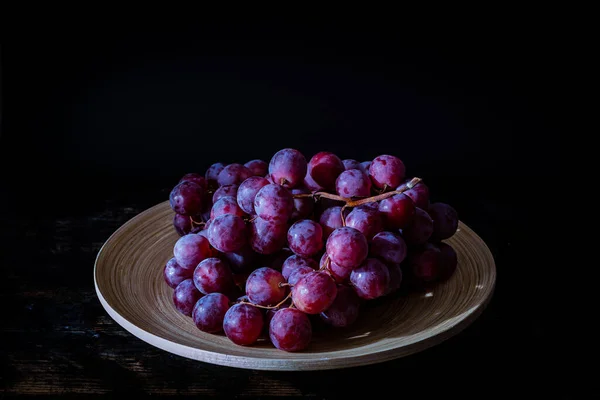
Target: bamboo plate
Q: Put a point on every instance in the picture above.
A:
(130, 286)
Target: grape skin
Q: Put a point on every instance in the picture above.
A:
(367, 220)
(190, 250)
(182, 224)
(209, 312)
(227, 233)
(267, 237)
(233, 174)
(418, 193)
(243, 324)
(293, 262)
(339, 274)
(212, 173)
(397, 211)
(274, 203)
(226, 205)
(424, 262)
(247, 191)
(448, 261)
(223, 191)
(324, 168)
(445, 221)
(185, 297)
(298, 274)
(303, 207)
(186, 198)
(389, 247)
(242, 260)
(310, 183)
(257, 167)
(387, 171)
(371, 279)
(395, 278)
(195, 178)
(419, 230)
(330, 220)
(287, 168)
(290, 330)
(213, 275)
(314, 292)
(263, 287)
(305, 238)
(174, 274)
(353, 183)
(351, 164)
(344, 309)
(347, 247)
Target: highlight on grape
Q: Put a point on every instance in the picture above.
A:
(265, 245)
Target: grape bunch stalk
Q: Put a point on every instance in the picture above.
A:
(265, 248)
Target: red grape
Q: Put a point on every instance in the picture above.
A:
(314, 292)
(288, 168)
(182, 224)
(274, 203)
(299, 273)
(310, 183)
(347, 247)
(353, 183)
(365, 165)
(185, 297)
(246, 193)
(351, 164)
(387, 171)
(174, 274)
(339, 274)
(448, 261)
(271, 313)
(226, 205)
(303, 206)
(243, 324)
(424, 262)
(367, 220)
(186, 198)
(395, 278)
(196, 178)
(233, 174)
(293, 262)
(209, 312)
(397, 211)
(305, 238)
(242, 260)
(267, 237)
(257, 167)
(223, 191)
(290, 330)
(330, 220)
(324, 168)
(445, 221)
(371, 279)
(212, 173)
(418, 193)
(263, 287)
(389, 247)
(227, 233)
(344, 309)
(190, 249)
(420, 229)
(213, 275)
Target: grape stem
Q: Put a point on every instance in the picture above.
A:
(268, 307)
(201, 223)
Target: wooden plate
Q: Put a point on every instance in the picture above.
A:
(130, 286)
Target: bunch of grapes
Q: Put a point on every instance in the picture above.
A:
(265, 246)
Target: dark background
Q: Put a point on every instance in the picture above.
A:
(99, 122)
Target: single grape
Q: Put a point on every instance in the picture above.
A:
(310, 183)
(387, 171)
(304, 206)
(365, 165)
(351, 164)
(263, 287)
(257, 167)
(174, 274)
(397, 211)
(305, 238)
(213, 275)
(185, 297)
(295, 261)
(424, 262)
(389, 247)
(182, 224)
(418, 193)
(298, 274)
(290, 330)
(288, 168)
(274, 203)
(339, 274)
(233, 174)
(212, 173)
(330, 220)
(195, 178)
(227, 233)
(314, 292)
(420, 229)
(344, 309)
(448, 261)
(271, 313)
(186, 198)
(371, 279)
(223, 191)
(242, 260)
(347, 247)
(190, 249)
(209, 312)
(395, 278)
(226, 205)
(243, 324)
(353, 183)
(267, 237)
(324, 168)
(276, 260)
(445, 221)
(247, 192)
(367, 220)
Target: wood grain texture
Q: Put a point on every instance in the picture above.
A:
(129, 284)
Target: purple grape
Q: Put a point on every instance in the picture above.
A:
(395, 278)
(365, 165)
(190, 250)
(305, 238)
(314, 292)
(424, 262)
(330, 220)
(339, 274)
(267, 237)
(213, 276)
(351, 164)
(389, 247)
(195, 178)
(174, 274)
(247, 192)
(233, 174)
(397, 211)
(185, 297)
(310, 183)
(324, 168)
(271, 313)
(257, 167)
(227, 233)
(263, 287)
(226, 205)
(304, 206)
(298, 274)
(367, 220)
(293, 262)
(445, 221)
(209, 312)
(182, 224)
(371, 279)
(347, 247)
(268, 177)
(344, 309)
(243, 324)
(420, 229)
(212, 173)
(387, 171)
(274, 203)
(448, 261)
(418, 193)
(353, 183)
(242, 260)
(186, 198)
(224, 191)
(288, 168)
(290, 330)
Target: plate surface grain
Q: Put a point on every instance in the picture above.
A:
(129, 283)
